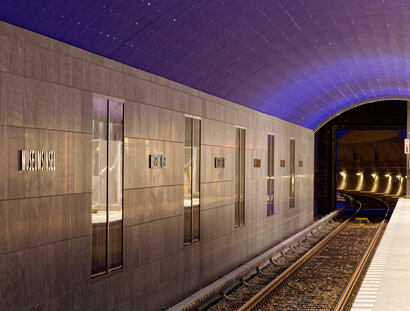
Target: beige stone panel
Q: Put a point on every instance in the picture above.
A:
(24, 104)
(145, 278)
(81, 159)
(157, 96)
(15, 141)
(195, 105)
(143, 121)
(121, 284)
(177, 100)
(12, 54)
(101, 82)
(157, 239)
(59, 217)
(137, 90)
(80, 215)
(38, 221)
(79, 263)
(116, 84)
(41, 63)
(173, 275)
(47, 271)
(252, 172)
(13, 285)
(2, 102)
(130, 205)
(96, 79)
(78, 74)
(86, 112)
(217, 222)
(128, 250)
(14, 220)
(3, 205)
(37, 104)
(67, 109)
(217, 133)
(3, 164)
(26, 36)
(209, 110)
(89, 76)
(215, 194)
(64, 302)
(46, 219)
(148, 204)
(96, 295)
(65, 69)
(208, 171)
(137, 172)
(24, 184)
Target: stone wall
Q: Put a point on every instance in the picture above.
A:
(46, 90)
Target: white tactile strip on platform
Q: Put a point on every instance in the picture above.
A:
(366, 297)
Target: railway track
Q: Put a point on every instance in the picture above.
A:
(317, 273)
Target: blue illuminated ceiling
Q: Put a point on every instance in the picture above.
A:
(299, 60)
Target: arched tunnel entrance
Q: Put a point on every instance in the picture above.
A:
(361, 150)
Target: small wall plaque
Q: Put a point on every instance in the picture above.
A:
(282, 163)
(157, 161)
(219, 162)
(256, 162)
(300, 163)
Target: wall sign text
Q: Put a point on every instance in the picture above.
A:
(38, 160)
(219, 162)
(157, 161)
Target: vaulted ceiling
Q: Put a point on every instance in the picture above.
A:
(299, 60)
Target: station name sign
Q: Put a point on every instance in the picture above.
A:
(38, 160)
(157, 161)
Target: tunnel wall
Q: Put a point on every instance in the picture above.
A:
(383, 180)
(46, 90)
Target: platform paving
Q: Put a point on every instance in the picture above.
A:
(387, 282)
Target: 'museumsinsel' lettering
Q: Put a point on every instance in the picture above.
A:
(38, 160)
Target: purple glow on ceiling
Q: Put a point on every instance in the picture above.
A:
(299, 60)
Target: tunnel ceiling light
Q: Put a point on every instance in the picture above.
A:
(359, 174)
(398, 176)
(374, 175)
(387, 175)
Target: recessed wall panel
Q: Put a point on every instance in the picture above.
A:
(99, 197)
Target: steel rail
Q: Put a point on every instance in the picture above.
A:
(343, 300)
(275, 283)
